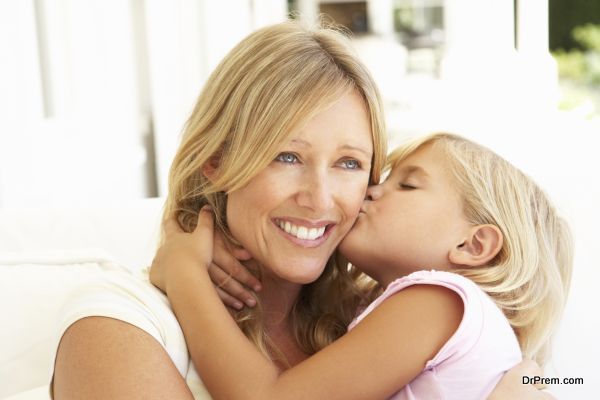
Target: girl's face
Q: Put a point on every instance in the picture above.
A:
(410, 222)
(294, 213)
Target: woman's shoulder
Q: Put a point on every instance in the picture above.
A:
(118, 289)
(127, 296)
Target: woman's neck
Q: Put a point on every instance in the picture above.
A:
(277, 298)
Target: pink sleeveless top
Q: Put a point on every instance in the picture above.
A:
(474, 359)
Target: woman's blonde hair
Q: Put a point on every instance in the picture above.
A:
(272, 82)
(529, 278)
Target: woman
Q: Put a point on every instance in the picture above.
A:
(285, 96)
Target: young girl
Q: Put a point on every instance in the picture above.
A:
(465, 245)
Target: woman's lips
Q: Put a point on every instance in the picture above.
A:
(304, 233)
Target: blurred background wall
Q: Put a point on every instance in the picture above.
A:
(94, 94)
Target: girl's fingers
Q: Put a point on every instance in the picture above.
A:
(171, 226)
(241, 253)
(236, 270)
(224, 281)
(232, 266)
(205, 222)
(238, 252)
(530, 368)
(229, 301)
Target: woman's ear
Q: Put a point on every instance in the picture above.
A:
(480, 247)
(210, 169)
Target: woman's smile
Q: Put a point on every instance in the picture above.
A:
(304, 233)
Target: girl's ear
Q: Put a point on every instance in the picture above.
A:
(480, 247)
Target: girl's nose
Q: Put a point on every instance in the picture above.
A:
(374, 192)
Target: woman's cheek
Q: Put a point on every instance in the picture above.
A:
(354, 195)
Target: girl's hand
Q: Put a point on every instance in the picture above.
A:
(511, 386)
(182, 251)
(233, 281)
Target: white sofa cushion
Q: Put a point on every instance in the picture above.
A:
(44, 254)
(127, 231)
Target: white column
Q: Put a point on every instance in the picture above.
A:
(380, 16)
(186, 41)
(267, 12)
(477, 32)
(478, 69)
(91, 56)
(532, 26)
(177, 69)
(539, 69)
(308, 9)
(223, 28)
(20, 84)
(87, 146)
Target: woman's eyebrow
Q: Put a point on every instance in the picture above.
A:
(361, 150)
(301, 142)
(304, 143)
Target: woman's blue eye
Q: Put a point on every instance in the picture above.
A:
(351, 164)
(288, 158)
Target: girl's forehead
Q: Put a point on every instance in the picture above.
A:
(426, 162)
(418, 157)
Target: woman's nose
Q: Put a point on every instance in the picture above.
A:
(316, 194)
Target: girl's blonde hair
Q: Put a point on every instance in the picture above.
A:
(270, 84)
(529, 278)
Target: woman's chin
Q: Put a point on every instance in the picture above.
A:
(300, 272)
(306, 275)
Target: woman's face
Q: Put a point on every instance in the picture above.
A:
(294, 213)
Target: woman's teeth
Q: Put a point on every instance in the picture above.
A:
(302, 232)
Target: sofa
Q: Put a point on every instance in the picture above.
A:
(44, 253)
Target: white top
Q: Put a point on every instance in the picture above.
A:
(117, 293)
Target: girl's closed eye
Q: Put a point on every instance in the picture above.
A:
(407, 186)
(287, 158)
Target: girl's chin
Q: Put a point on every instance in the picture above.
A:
(345, 250)
(354, 236)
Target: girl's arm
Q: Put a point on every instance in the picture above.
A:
(235, 291)
(231, 278)
(368, 362)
